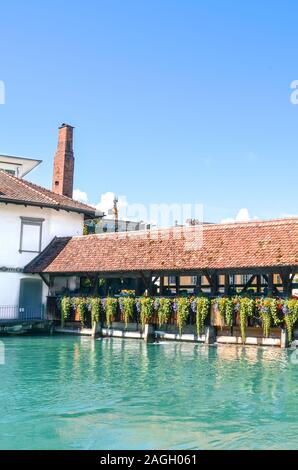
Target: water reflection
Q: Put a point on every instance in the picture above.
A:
(67, 392)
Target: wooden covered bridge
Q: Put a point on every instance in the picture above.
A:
(213, 258)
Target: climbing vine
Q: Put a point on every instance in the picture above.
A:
(147, 309)
(290, 310)
(202, 311)
(111, 309)
(226, 310)
(96, 309)
(66, 306)
(182, 312)
(80, 303)
(164, 311)
(267, 311)
(128, 309)
(246, 310)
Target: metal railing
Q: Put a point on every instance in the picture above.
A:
(15, 313)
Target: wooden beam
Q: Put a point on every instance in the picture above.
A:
(248, 284)
(45, 280)
(177, 285)
(227, 284)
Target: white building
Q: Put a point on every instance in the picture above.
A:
(30, 218)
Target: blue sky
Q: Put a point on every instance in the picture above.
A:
(173, 101)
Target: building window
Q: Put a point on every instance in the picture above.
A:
(31, 235)
(232, 280)
(10, 172)
(194, 280)
(172, 280)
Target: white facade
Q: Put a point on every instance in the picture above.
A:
(14, 257)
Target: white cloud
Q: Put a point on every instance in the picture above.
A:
(242, 216)
(107, 202)
(79, 195)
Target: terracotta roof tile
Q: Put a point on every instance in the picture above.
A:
(249, 245)
(20, 191)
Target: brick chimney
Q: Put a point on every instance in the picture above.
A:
(64, 162)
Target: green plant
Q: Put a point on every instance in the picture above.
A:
(203, 309)
(182, 312)
(290, 316)
(128, 309)
(81, 306)
(111, 309)
(65, 309)
(266, 320)
(164, 311)
(226, 310)
(96, 309)
(247, 307)
(147, 308)
(273, 307)
(229, 312)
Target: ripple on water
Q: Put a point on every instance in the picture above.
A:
(75, 393)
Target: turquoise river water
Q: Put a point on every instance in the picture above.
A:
(74, 393)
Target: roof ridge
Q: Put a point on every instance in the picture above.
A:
(192, 228)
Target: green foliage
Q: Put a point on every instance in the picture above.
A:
(270, 311)
(111, 309)
(182, 312)
(96, 309)
(291, 316)
(128, 309)
(147, 309)
(164, 311)
(226, 310)
(65, 309)
(81, 306)
(203, 309)
(247, 307)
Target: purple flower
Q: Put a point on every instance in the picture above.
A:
(175, 306)
(138, 306)
(285, 310)
(156, 304)
(193, 306)
(103, 303)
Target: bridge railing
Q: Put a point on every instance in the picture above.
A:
(15, 313)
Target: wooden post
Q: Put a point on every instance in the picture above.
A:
(198, 287)
(259, 283)
(161, 285)
(227, 284)
(177, 285)
(214, 284)
(270, 284)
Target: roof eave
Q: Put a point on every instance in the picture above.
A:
(48, 206)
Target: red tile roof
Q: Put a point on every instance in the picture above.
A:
(19, 191)
(229, 247)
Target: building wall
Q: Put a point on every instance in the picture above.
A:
(56, 223)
